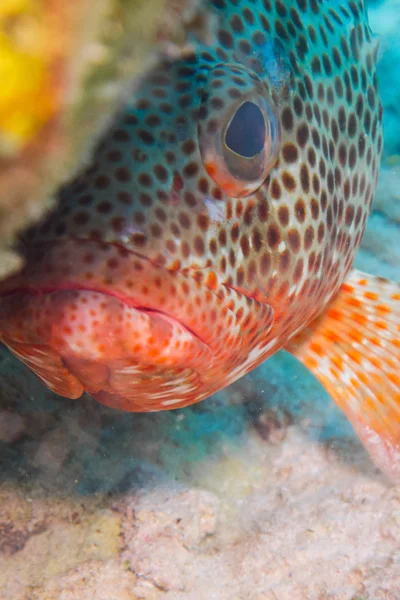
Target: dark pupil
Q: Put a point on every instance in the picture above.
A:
(246, 133)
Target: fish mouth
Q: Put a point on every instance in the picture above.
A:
(132, 278)
(84, 340)
(18, 294)
(120, 337)
(132, 333)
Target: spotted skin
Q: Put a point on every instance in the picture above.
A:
(172, 266)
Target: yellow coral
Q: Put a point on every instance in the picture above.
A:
(29, 91)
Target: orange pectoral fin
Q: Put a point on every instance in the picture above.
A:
(354, 350)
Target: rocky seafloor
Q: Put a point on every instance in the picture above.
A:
(262, 492)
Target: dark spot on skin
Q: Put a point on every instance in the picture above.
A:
(256, 240)
(284, 261)
(225, 38)
(273, 236)
(145, 179)
(189, 147)
(290, 153)
(237, 24)
(235, 232)
(191, 169)
(248, 16)
(118, 224)
(123, 174)
(263, 211)
(308, 238)
(300, 210)
(298, 270)
(161, 173)
(104, 207)
(81, 218)
(294, 240)
(288, 181)
(146, 137)
(287, 119)
(305, 178)
(120, 135)
(153, 121)
(283, 215)
(102, 182)
(275, 189)
(265, 264)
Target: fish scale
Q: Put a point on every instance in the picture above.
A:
(229, 197)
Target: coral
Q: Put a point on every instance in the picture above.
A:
(64, 67)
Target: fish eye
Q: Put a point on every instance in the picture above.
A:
(239, 138)
(245, 135)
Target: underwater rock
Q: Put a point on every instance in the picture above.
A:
(64, 67)
(42, 539)
(103, 581)
(163, 523)
(304, 522)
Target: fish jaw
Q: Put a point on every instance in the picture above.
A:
(134, 335)
(99, 340)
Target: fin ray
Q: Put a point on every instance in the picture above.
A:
(353, 348)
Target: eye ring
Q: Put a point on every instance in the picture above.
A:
(239, 139)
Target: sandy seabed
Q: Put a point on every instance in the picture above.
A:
(289, 521)
(226, 500)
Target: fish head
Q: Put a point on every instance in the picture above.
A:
(219, 215)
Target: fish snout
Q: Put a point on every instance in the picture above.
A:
(125, 356)
(133, 334)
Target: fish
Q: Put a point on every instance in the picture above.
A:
(218, 222)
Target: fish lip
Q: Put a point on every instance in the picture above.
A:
(129, 301)
(36, 291)
(23, 283)
(184, 271)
